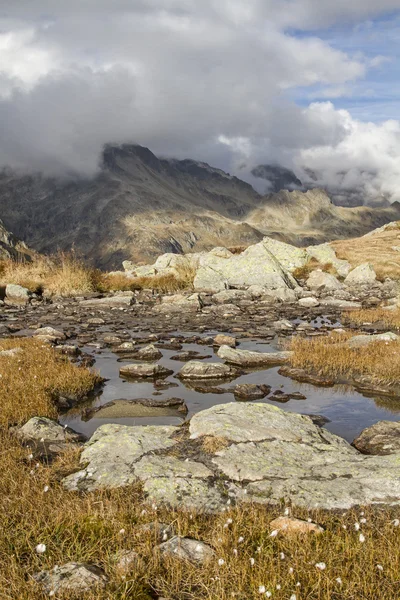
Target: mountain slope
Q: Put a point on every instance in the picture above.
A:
(139, 207)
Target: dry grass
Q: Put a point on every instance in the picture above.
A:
(312, 265)
(93, 527)
(212, 443)
(62, 275)
(381, 250)
(331, 357)
(31, 378)
(389, 318)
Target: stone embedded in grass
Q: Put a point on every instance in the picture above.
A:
(289, 526)
(50, 333)
(143, 371)
(186, 549)
(72, 578)
(361, 275)
(10, 353)
(360, 341)
(247, 358)
(127, 561)
(382, 438)
(17, 294)
(47, 430)
(195, 369)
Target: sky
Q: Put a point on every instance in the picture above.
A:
(313, 85)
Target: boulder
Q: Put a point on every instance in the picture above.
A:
(381, 439)
(186, 549)
(230, 296)
(360, 341)
(50, 333)
(149, 352)
(319, 280)
(255, 266)
(47, 430)
(290, 257)
(225, 340)
(247, 358)
(144, 370)
(17, 294)
(340, 304)
(308, 302)
(362, 275)
(325, 254)
(195, 369)
(71, 578)
(118, 301)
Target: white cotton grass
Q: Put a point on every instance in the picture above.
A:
(221, 562)
(321, 566)
(361, 538)
(46, 488)
(357, 526)
(396, 522)
(379, 567)
(261, 589)
(40, 549)
(293, 597)
(274, 533)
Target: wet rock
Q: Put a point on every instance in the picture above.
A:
(187, 549)
(279, 397)
(246, 358)
(361, 275)
(17, 294)
(189, 355)
(139, 407)
(96, 321)
(195, 369)
(115, 339)
(283, 325)
(144, 371)
(288, 526)
(72, 578)
(149, 352)
(251, 391)
(68, 350)
(304, 377)
(225, 340)
(229, 296)
(381, 439)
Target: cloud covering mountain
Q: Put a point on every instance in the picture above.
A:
(217, 80)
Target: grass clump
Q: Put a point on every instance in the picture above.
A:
(389, 318)
(333, 358)
(32, 377)
(312, 265)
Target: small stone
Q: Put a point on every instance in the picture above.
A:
(72, 578)
(186, 549)
(290, 526)
(225, 340)
(250, 391)
(309, 302)
(144, 371)
(196, 369)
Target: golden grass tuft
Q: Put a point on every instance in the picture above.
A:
(93, 527)
(31, 378)
(312, 265)
(212, 443)
(389, 318)
(381, 250)
(331, 357)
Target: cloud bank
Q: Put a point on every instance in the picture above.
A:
(214, 80)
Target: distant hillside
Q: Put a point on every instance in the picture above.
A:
(11, 247)
(140, 206)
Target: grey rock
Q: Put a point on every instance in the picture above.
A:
(250, 391)
(361, 275)
(360, 341)
(127, 561)
(11, 353)
(195, 369)
(50, 332)
(319, 280)
(381, 439)
(47, 430)
(308, 302)
(108, 302)
(144, 371)
(149, 352)
(225, 340)
(340, 304)
(75, 578)
(187, 549)
(17, 294)
(247, 358)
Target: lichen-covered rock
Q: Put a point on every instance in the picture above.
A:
(186, 549)
(325, 254)
(361, 275)
(72, 578)
(195, 369)
(47, 430)
(319, 280)
(290, 257)
(382, 438)
(17, 294)
(247, 358)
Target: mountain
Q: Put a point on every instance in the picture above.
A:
(278, 178)
(11, 247)
(139, 206)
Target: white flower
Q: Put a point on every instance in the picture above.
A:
(363, 520)
(51, 593)
(298, 584)
(252, 561)
(40, 548)
(121, 531)
(339, 580)
(229, 522)
(379, 567)
(361, 538)
(344, 526)
(30, 456)
(291, 570)
(278, 587)
(258, 549)
(293, 597)
(46, 488)
(274, 533)
(268, 594)
(321, 566)
(282, 556)
(241, 539)
(235, 551)
(396, 522)
(357, 526)
(261, 589)
(221, 562)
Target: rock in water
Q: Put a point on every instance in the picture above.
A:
(196, 369)
(382, 438)
(246, 358)
(144, 371)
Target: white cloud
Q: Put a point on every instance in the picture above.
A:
(208, 79)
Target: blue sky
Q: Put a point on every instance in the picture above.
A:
(376, 97)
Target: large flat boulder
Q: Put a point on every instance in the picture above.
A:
(247, 358)
(195, 369)
(263, 455)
